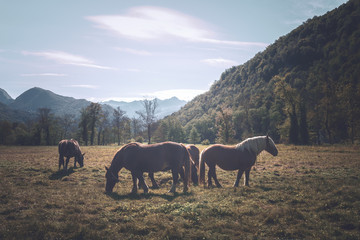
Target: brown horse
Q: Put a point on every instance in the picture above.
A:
(139, 158)
(194, 164)
(70, 148)
(240, 157)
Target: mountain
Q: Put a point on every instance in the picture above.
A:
(26, 106)
(5, 97)
(165, 107)
(35, 98)
(305, 87)
(12, 115)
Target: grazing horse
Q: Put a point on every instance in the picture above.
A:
(194, 164)
(139, 158)
(70, 148)
(240, 157)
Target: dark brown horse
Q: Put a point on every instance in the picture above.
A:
(240, 157)
(70, 148)
(194, 164)
(139, 158)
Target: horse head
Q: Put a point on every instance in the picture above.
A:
(270, 146)
(80, 159)
(111, 180)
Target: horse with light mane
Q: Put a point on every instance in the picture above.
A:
(70, 148)
(240, 157)
(139, 158)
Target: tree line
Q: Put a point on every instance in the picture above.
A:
(98, 127)
(94, 127)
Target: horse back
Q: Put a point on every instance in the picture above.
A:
(69, 148)
(228, 157)
(154, 157)
(194, 152)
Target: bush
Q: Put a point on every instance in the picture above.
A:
(205, 142)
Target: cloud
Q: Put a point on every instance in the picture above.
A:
(67, 58)
(43, 75)
(155, 23)
(220, 62)
(134, 51)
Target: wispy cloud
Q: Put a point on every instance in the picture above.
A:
(155, 23)
(43, 75)
(220, 62)
(134, 51)
(67, 58)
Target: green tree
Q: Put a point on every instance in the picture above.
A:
(83, 124)
(224, 125)
(194, 136)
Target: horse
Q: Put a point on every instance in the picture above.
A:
(194, 164)
(240, 157)
(139, 158)
(70, 148)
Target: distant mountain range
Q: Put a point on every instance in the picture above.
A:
(165, 107)
(25, 106)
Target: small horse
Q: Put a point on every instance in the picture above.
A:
(139, 158)
(70, 148)
(194, 164)
(240, 157)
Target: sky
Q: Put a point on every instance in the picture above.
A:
(131, 50)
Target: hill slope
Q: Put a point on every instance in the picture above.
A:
(5, 97)
(304, 87)
(35, 98)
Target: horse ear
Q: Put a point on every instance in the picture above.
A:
(107, 169)
(83, 154)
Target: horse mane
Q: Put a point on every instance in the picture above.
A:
(254, 144)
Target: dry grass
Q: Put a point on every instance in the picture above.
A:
(304, 193)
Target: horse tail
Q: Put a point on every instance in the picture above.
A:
(202, 168)
(187, 166)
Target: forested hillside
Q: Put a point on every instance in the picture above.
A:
(304, 88)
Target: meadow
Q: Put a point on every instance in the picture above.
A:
(306, 192)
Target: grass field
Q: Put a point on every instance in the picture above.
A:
(303, 193)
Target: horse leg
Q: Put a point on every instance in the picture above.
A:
(74, 162)
(216, 180)
(67, 161)
(181, 172)
(61, 161)
(238, 177)
(210, 175)
(247, 177)
(139, 175)
(142, 183)
(153, 182)
(175, 176)
(134, 178)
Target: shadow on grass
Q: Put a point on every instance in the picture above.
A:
(131, 196)
(61, 173)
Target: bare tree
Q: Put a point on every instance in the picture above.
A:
(148, 115)
(67, 122)
(118, 122)
(45, 119)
